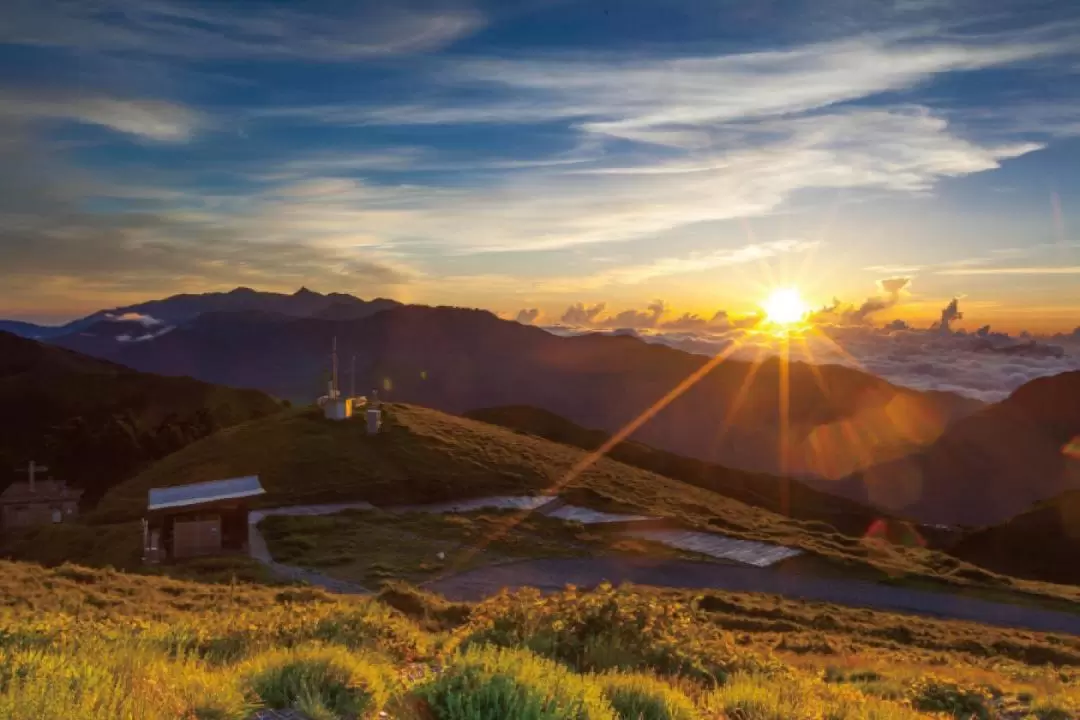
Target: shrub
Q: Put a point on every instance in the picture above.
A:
(94, 678)
(323, 682)
(432, 612)
(748, 697)
(489, 683)
(609, 629)
(641, 697)
(230, 638)
(932, 694)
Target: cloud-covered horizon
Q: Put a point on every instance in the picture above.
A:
(982, 364)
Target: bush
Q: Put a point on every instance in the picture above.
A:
(322, 682)
(641, 697)
(747, 697)
(488, 683)
(612, 629)
(432, 612)
(94, 678)
(931, 694)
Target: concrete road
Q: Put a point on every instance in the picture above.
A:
(552, 574)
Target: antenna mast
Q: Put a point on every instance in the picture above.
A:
(334, 356)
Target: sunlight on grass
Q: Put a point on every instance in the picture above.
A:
(100, 645)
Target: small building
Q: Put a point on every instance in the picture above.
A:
(338, 408)
(38, 502)
(209, 518)
(374, 419)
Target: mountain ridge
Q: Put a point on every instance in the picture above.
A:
(988, 466)
(458, 359)
(94, 421)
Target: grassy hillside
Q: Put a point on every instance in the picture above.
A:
(780, 495)
(95, 423)
(99, 645)
(424, 455)
(372, 546)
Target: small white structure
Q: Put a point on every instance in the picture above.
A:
(374, 419)
(338, 408)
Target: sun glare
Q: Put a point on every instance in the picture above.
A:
(785, 306)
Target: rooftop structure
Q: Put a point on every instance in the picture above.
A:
(206, 518)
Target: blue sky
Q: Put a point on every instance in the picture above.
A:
(544, 153)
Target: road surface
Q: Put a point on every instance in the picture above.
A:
(551, 574)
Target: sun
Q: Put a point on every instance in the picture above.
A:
(785, 306)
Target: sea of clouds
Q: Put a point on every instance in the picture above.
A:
(982, 364)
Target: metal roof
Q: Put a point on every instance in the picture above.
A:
(204, 492)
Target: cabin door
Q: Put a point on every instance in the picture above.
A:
(197, 536)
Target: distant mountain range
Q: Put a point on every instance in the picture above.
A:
(987, 467)
(153, 316)
(94, 423)
(850, 433)
(841, 419)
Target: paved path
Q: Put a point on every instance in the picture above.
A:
(551, 574)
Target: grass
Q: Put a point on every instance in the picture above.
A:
(323, 682)
(371, 546)
(98, 644)
(424, 455)
(498, 683)
(784, 496)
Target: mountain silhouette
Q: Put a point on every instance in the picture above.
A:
(453, 359)
(179, 309)
(1040, 544)
(989, 466)
(94, 423)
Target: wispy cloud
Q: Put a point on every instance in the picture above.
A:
(680, 101)
(152, 119)
(261, 30)
(1050, 270)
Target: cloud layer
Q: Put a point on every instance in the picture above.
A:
(985, 365)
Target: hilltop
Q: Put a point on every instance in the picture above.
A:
(456, 360)
(96, 423)
(989, 466)
(423, 455)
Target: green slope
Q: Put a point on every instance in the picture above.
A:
(424, 455)
(784, 496)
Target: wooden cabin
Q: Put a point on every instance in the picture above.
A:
(209, 518)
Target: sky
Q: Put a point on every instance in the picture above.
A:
(589, 162)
